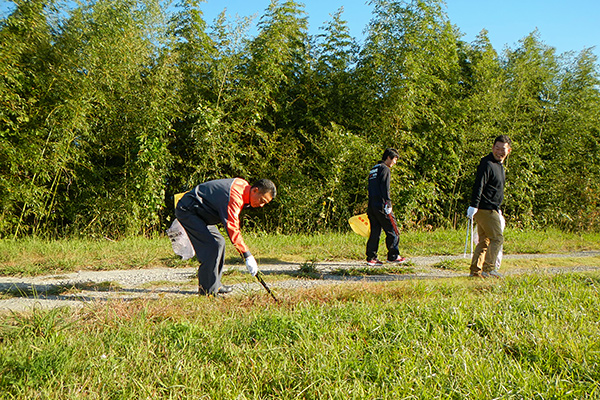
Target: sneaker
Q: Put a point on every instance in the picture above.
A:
(374, 262)
(225, 289)
(475, 275)
(398, 260)
(492, 274)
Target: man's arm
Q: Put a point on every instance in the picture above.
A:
(236, 203)
(483, 175)
(232, 225)
(384, 184)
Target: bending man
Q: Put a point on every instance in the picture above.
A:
(211, 203)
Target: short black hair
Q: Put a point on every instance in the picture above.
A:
(503, 139)
(265, 186)
(389, 153)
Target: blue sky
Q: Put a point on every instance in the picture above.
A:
(566, 25)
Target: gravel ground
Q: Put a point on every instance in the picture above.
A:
(45, 292)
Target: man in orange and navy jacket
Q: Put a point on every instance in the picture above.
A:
(211, 203)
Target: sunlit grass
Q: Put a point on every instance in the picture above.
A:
(522, 337)
(545, 263)
(30, 257)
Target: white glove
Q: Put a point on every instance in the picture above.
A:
(252, 265)
(471, 211)
(387, 209)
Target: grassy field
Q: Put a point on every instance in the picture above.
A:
(523, 337)
(30, 257)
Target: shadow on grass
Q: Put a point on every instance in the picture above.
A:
(32, 290)
(233, 260)
(69, 291)
(311, 270)
(373, 271)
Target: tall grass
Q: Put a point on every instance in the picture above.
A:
(35, 256)
(524, 337)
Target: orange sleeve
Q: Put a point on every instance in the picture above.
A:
(239, 190)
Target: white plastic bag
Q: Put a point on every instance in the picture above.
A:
(502, 226)
(180, 241)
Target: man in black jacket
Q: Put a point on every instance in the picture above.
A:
(486, 199)
(380, 210)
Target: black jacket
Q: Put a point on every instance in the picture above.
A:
(488, 189)
(379, 185)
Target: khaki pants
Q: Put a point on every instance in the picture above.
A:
(489, 229)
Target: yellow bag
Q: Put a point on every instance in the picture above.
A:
(360, 224)
(178, 197)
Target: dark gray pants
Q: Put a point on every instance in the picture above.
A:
(209, 246)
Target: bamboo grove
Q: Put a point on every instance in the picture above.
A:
(108, 108)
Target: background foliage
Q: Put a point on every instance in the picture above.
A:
(110, 107)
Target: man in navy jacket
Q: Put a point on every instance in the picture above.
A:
(380, 212)
(211, 203)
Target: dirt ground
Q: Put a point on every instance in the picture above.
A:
(87, 287)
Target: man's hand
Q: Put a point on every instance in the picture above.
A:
(471, 211)
(252, 265)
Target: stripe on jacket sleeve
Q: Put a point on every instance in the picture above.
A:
(236, 203)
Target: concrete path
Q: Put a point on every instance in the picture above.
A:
(86, 287)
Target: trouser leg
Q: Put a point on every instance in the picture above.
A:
(209, 246)
(382, 221)
(391, 237)
(479, 252)
(373, 242)
(491, 239)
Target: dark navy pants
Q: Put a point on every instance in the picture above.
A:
(380, 220)
(208, 244)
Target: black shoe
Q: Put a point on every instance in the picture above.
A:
(225, 289)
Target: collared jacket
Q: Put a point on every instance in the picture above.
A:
(221, 201)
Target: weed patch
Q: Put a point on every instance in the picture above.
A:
(367, 271)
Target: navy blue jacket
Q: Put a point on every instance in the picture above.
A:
(379, 185)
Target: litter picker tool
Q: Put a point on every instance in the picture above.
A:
(394, 225)
(469, 229)
(262, 282)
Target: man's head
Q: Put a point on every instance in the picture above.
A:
(389, 158)
(262, 192)
(501, 148)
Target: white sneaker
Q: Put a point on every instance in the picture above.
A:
(492, 274)
(398, 260)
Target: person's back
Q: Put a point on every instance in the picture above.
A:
(379, 210)
(379, 185)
